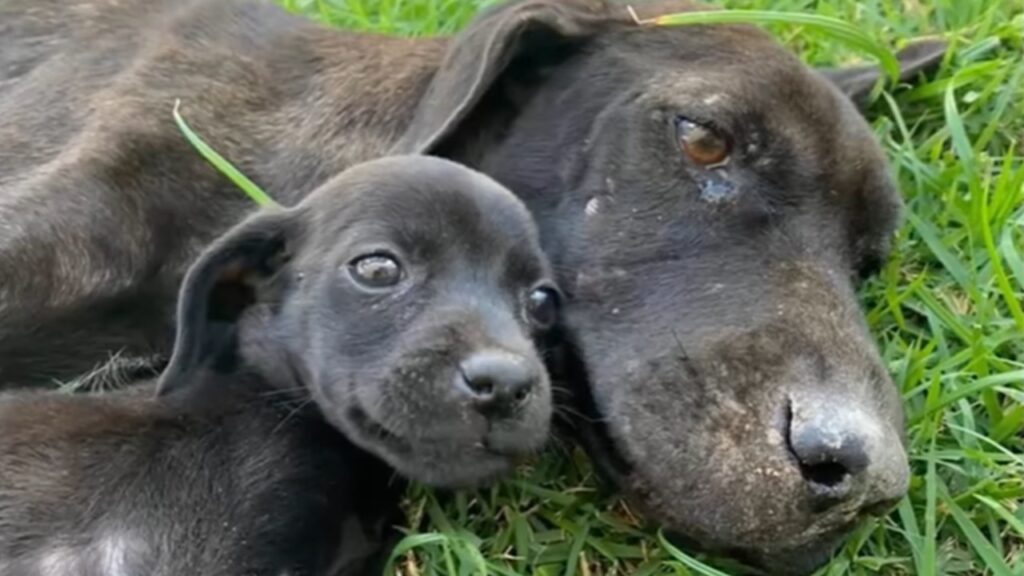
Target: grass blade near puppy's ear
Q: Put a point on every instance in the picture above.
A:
(837, 29)
(220, 163)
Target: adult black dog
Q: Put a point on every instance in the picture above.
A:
(397, 304)
(707, 199)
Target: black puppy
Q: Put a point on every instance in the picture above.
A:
(398, 304)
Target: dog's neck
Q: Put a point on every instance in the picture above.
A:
(346, 99)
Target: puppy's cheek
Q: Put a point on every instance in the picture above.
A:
(335, 397)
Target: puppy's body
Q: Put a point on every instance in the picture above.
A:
(126, 484)
(382, 327)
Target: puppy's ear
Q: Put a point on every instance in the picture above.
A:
(479, 55)
(916, 58)
(233, 274)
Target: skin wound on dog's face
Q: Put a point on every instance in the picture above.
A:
(706, 198)
(403, 298)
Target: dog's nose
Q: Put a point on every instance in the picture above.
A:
(845, 456)
(829, 459)
(497, 381)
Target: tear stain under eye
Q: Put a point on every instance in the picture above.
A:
(715, 187)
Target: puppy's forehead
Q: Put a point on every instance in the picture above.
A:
(421, 195)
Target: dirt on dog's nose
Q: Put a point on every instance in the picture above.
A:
(498, 382)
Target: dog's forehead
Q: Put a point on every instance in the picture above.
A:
(739, 61)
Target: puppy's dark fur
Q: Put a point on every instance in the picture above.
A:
(295, 391)
(713, 309)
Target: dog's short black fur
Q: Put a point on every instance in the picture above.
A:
(709, 203)
(386, 323)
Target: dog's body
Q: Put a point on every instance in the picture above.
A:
(319, 359)
(106, 156)
(706, 198)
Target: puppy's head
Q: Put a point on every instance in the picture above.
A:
(404, 298)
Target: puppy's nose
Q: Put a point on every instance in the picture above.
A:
(497, 381)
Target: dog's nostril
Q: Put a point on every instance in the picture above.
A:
(827, 474)
(829, 456)
(498, 381)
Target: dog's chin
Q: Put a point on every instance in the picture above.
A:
(615, 469)
(796, 562)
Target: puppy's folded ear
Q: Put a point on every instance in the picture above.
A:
(233, 274)
(915, 58)
(479, 55)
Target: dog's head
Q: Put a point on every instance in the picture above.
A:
(403, 298)
(710, 203)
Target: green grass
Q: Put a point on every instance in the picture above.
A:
(946, 311)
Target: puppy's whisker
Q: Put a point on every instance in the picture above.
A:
(284, 392)
(290, 415)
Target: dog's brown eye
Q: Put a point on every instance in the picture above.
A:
(376, 271)
(702, 145)
(542, 307)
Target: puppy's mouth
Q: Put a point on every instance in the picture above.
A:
(370, 428)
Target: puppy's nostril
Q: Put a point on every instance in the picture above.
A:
(482, 387)
(521, 394)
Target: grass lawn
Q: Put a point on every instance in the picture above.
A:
(947, 312)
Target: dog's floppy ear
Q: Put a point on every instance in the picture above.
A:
(477, 57)
(917, 57)
(234, 273)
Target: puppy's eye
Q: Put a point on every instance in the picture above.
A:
(376, 271)
(542, 307)
(702, 145)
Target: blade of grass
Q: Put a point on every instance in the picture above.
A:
(837, 29)
(220, 163)
(1011, 520)
(928, 563)
(687, 560)
(996, 260)
(985, 550)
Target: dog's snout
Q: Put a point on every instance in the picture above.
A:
(845, 455)
(497, 381)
